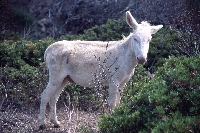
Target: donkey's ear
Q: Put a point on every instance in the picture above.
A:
(131, 21)
(154, 29)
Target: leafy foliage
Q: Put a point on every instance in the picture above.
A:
(168, 103)
(112, 30)
(23, 76)
(18, 53)
(161, 47)
(23, 86)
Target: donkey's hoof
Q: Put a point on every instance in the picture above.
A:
(41, 127)
(56, 123)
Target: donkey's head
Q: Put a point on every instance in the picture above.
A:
(141, 37)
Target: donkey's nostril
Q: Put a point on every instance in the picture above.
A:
(141, 60)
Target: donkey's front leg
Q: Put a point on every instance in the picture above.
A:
(114, 96)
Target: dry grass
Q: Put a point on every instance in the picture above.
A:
(13, 120)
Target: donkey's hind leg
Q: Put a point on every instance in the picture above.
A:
(52, 103)
(54, 83)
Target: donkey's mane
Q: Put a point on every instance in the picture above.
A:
(145, 23)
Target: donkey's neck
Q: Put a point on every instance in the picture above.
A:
(127, 47)
(125, 53)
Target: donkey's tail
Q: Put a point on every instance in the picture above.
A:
(45, 56)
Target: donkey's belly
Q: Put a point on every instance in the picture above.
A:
(88, 74)
(88, 80)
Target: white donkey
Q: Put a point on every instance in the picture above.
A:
(81, 61)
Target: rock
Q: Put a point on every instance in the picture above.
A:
(44, 23)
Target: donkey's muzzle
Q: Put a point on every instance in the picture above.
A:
(141, 60)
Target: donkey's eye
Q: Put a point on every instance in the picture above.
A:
(135, 39)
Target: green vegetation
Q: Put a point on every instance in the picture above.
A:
(111, 31)
(22, 70)
(167, 103)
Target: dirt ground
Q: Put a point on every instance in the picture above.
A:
(13, 120)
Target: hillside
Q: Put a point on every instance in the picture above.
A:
(52, 18)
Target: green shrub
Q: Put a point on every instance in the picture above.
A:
(36, 51)
(10, 54)
(23, 75)
(18, 53)
(8, 35)
(22, 86)
(161, 47)
(168, 103)
(111, 31)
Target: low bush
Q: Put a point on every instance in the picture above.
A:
(22, 71)
(19, 53)
(111, 31)
(22, 86)
(168, 103)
